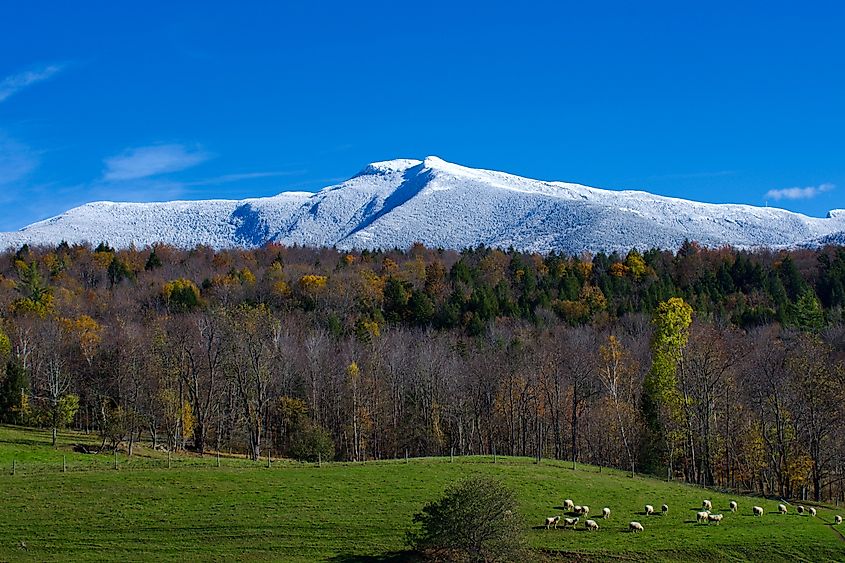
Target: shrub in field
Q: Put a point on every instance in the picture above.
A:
(475, 520)
(312, 443)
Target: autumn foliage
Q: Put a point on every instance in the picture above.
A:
(713, 366)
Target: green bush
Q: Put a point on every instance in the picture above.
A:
(476, 520)
(312, 443)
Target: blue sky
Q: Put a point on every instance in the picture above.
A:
(723, 102)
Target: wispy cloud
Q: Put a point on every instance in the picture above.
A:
(143, 162)
(16, 161)
(799, 193)
(228, 178)
(15, 83)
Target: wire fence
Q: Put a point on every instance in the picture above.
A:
(120, 461)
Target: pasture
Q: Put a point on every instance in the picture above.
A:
(352, 512)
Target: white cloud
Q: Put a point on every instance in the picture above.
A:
(17, 82)
(16, 161)
(144, 162)
(799, 193)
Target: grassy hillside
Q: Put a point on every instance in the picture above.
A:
(349, 512)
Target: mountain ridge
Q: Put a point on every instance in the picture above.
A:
(395, 203)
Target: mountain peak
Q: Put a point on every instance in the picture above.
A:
(403, 164)
(435, 162)
(388, 166)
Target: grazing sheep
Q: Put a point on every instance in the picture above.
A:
(570, 522)
(733, 506)
(577, 509)
(714, 518)
(800, 509)
(605, 513)
(707, 505)
(649, 510)
(837, 520)
(812, 511)
(702, 516)
(568, 505)
(782, 508)
(585, 510)
(552, 521)
(758, 510)
(664, 509)
(635, 527)
(591, 525)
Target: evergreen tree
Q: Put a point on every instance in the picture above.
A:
(791, 278)
(153, 261)
(14, 383)
(807, 313)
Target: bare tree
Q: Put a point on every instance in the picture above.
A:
(615, 372)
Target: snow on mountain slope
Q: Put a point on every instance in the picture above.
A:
(399, 202)
(217, 223)
(465, 207)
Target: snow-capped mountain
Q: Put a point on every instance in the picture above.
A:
(398, 202)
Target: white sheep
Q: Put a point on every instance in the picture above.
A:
(591, 525)
(605, 513)
(707, 505)
(758, 510)
(837, 520)
(714, 518)
(800, 509)
(570, 522)
(577, 509)
(782, 508)
(635, 527)
(552, 521)
(568, 505)
(702, 516)
(812, 511)
(649, 510)
(733, 506)
(582, 510)
(664, 509)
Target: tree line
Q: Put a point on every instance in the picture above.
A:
(712, 366)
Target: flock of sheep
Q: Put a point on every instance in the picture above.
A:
(705, 516)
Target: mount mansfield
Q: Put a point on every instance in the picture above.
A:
(398, 202)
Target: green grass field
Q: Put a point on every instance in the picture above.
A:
(350, 512)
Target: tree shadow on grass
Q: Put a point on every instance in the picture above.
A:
(28, 442)
(390, 557)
